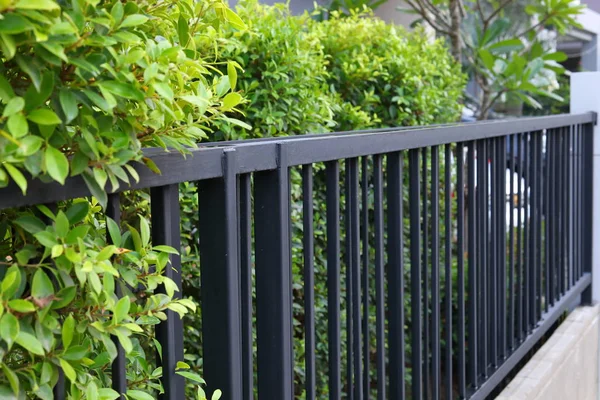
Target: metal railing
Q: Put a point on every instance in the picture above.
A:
(449, 252)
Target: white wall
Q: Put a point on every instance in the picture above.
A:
(566, 367)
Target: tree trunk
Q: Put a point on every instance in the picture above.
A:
(455, 26)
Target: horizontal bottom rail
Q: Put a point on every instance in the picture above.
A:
(545, 323)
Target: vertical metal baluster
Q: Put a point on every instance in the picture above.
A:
(564, 208)
(356, 290)
(395, 249)
(580, 196)
(353, 276)
(379, 279)
(472, 295)
(519, 231)
(502, 231)
(526, 237)
(483, 261)
(547, 193)
(569, 198)
(333, 278)
(118, 369)
(245, 251)
(588, 189)
(558, 215)
(425, 276)
(552, 262)
(222, 343)
(533, 228)
(435, 271)
(415, 275)
(309, 278)
(511, 244)
(164, 208)
(349, 282)
(365, 278)
(493, 251)
(538, 236)
(274, 280)
(460, 228)
(448, 272)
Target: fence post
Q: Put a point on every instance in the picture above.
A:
(585, 97)
(221, 306)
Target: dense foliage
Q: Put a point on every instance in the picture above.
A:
(397, 78)
(84, 86)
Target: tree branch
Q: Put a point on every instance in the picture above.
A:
(418, 7)
(496, 12)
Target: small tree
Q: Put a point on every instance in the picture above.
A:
(502, 45)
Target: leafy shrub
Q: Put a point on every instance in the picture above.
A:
(284, 76)
(398, 78)
(84, 86)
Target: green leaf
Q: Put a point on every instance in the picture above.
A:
(6, 90)
(232, 100)
(57, 250)
(8, 45)
(77, 212)
(114, 231)
(30, 342)
(125, 90)
(96, 190)
(68, 329)
(164, 90)
(216, 394)
(37, 5)
(139, 395)
(134, 20)
(64, 297)
(22, 306)
(55, 49)
(107, 394)
(61, 225)
(13, 23)
(506, 46)
(13, 380)
(68, 102)
(121, 309)
(46, 239)
(56, 164)
(43, 116)
(42, 285)
(232, 74)
(191, 376)
(234, 19)
(11, 282)
(17, 176)
(17, 125)
(30, 224)
(26, 64)
(183, 31)
(557, 56)
(14, 105)
(165, 249)
(76, 233)
(9, 328)
(68, 370)
(144, 231)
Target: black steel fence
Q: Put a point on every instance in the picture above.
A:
(449, 252)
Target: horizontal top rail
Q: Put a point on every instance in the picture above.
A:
(205, 162)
